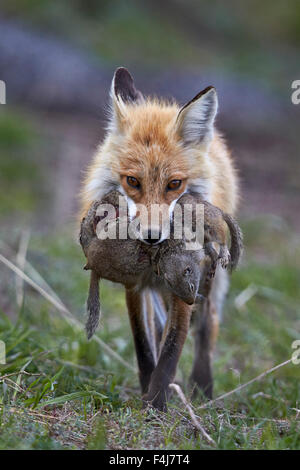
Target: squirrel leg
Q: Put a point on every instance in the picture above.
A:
(210, 251)
(224, 256)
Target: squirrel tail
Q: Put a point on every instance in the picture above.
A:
(236, 247)
(93, 306)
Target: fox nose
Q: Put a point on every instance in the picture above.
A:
(152, 237)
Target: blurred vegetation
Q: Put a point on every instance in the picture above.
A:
(250, 38)
(113, 30)
(20, 179)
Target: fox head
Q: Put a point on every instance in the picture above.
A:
(153, 152)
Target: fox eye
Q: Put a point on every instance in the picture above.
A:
(174, 184)
(133, 182)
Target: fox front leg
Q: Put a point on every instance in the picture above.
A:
(144, 349)
(165, 370)
(206, 329)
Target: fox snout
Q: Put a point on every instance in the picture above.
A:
(152, 237)
(153, 234)
(153, 223)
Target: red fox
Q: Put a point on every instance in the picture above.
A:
(154, 152)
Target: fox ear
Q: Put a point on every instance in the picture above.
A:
(122, 92)
(195, 121)
(123, 86)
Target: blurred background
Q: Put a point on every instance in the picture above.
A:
(57, 59)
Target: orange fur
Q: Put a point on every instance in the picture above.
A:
(147, 146)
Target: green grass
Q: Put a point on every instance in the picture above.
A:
(84, 399)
